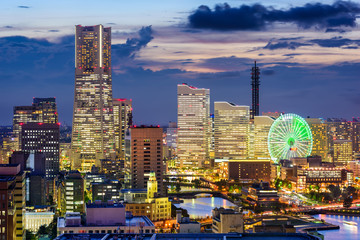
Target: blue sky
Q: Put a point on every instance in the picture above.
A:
(308, 53)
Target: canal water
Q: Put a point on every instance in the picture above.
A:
(202, 207)
(345, 232)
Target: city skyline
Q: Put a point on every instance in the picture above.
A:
(307, 67)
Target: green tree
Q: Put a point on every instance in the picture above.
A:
(29, 235)
(177, 188)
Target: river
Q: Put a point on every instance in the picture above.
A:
(345, 232)
(202, 207)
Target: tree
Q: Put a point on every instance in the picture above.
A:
(197, 183)
(335, 191)
(348, 202)
(29, 235)
(177, 188)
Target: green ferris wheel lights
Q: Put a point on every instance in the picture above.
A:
(289, 136)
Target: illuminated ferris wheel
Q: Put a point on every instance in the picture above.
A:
(289, 136)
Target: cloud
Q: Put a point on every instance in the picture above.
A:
(23, 7)
(257, 17)
(133, 45)
(9, 27)
(225, 63)
(54, 30)
(336, 42)
(273, 45)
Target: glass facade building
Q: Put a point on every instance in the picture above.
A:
(93, 121)
(193, 126)
(231, 130)
(122, 122)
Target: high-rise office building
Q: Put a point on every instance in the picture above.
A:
(231, 131)
(7, 212)
(122, 122)
(146, 155)
(43, 137)
(320, 146)
(171, 135)
(13, 172)
(71, 193)
(342, 152)
(193, 126)
(93, 119)
(260, 128)
(22, 115)
(48, 108)
(43, 110)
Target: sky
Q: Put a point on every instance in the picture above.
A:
(308, 53)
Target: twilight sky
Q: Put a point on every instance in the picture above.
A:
(308, 53)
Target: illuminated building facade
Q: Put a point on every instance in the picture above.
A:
(343, 151)
(71, 193)
(14, 172)
(122, 122)
(248, 169)
(7, 214)
(193, 126)
(43, 110)
(93, 122)
(43, 137)
(320, 138)
(22, 115)
(231, 131)
(48, 108)
(146, 155)
(260, 128)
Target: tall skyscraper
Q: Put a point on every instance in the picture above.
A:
(122, 122)
(146, 155)
(43, 110)
(93, 121)
(260, 128)
(43, 137)
(13, 172)
(48, 108)
(193, 126)
(22, 115)
(320, 146)
(231, 131)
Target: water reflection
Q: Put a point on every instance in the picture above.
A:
(346, 231)
(201, 207)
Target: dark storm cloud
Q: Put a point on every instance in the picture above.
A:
(256, 17)
(339, 30)
(336, 42)
(23, 7)
(133, 45)
(273, 45)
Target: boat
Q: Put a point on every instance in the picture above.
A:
(350, 223)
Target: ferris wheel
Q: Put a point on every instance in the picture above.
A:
(289, 136)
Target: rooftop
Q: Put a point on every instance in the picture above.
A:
(190, 236)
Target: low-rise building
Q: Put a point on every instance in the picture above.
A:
(146, 202)
(107, 190)
(185, 225)
(261, 195)
(227, 220)
(104, 217)
(35, 219)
